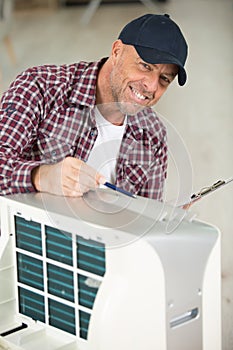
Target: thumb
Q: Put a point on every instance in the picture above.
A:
(100, 179)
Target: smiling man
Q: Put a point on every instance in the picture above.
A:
(67, 129)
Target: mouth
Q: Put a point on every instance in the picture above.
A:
(138, 95)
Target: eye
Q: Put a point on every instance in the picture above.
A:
(145, 66)
(165, 80)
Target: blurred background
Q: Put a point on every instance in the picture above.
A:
(36, 32)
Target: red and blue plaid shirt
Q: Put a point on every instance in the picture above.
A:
(45, 115)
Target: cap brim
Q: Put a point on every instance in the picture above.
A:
(154, 56)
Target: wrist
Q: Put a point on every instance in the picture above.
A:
(35, 177)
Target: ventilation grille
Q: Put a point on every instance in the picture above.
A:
(59, 245)
(58, 277)
(91, 256)
(28, 235)
(62, 316)
(84, 323)
(87, 291)
(30, 271)
(31, 304)
(60, 282)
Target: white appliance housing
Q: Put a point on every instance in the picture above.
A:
(107, 272)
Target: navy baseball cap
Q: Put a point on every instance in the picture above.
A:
(157, 39)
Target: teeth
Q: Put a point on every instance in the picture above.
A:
(138, 95)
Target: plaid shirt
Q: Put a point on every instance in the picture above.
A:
(47, 114)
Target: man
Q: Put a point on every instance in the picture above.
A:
(54, 119)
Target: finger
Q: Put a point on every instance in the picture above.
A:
(83, 173)
(187, 206)
(71, 192)
(90, 176)
(76, 185)
(79, 181)
(85, 180)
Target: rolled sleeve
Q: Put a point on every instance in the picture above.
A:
(18, 179)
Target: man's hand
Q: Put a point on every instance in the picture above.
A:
(70, 177)
(188, 205)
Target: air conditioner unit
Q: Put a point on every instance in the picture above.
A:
(107, 272)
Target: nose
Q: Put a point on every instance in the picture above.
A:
(151, 83)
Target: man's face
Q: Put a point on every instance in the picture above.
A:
(136, 82)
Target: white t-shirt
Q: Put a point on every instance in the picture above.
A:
(104, 153)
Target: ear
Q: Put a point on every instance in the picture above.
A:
(117, 48)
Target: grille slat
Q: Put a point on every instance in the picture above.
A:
(91, 267)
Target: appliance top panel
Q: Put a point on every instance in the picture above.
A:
(106, 209)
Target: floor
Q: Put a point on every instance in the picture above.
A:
(199, 114)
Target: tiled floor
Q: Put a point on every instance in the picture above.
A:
(200, 112)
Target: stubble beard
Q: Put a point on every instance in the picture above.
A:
(126, 108)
